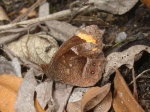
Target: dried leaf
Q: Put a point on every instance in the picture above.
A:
(123, 99)
(147, 3)
(61, 96)
(105, 105)
(17, 67)
(74, 103)
(126, 57)
(37, 48)
(25, 99)
(9, 85)
(114, 6)
(44, 95)
(74, 106)
(31, 14)
(6, 67)
(57, 30)
(3, 15)
(44, 9)
(93, 97)
(9, 35)
(77, 94)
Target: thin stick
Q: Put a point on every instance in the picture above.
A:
(49, 17)
(35, 5)
(134, 85)
(140, 75)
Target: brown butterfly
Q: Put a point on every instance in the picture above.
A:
(80, 60)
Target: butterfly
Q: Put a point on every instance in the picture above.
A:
(80, 60)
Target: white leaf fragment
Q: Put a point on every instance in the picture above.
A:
(126, 57)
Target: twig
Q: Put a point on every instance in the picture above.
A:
(134, 85)
(140, 75)
(35, 5)
(49, 17)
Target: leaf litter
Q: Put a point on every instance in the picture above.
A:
(41, 94)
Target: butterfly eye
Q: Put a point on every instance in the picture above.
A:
(92, 72)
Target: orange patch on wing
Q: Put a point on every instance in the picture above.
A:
(87, 37)
(94, 49)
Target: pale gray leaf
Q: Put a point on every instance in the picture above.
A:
(25, 97)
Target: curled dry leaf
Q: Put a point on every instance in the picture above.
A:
(74, 106)
(74, 103)
(126, 57)
(105, 105)
(123, 99)
(114, 6)
(93, 97)
(37, 48)
(9, 85)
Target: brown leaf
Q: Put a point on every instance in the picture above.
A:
(9, 85)
(147, 3)
(105, 105)
(74, 106)
(31, 14)
(123, 99)
(3, 15)
(94, 96)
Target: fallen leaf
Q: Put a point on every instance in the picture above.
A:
(77, 94)
(126, 57)
(114, 6)
(3, 15)
(105, 105)
(74, 106)
(123, 99)
(17, 66)
(25, 98)
(38, 48)
(6, 66)
(9, 35)
(61, 95)
(146, 2)
(44, 95)
(57, 30)
(31, 14)
(9, 85)
(93, 97)
(74, 103)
